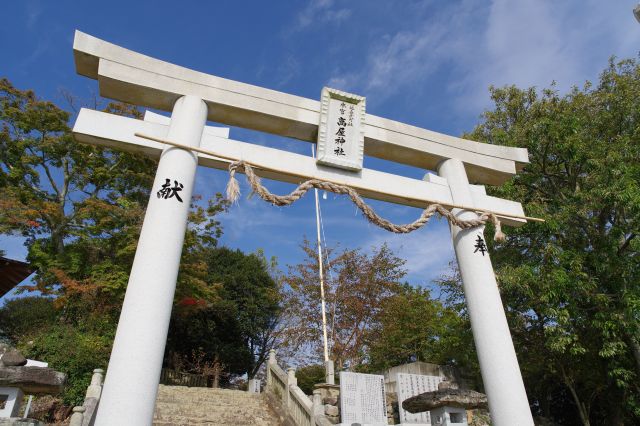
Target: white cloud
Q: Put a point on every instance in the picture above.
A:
(527, 43)
(532, 43)
(427, 251)
(34, 11)
(319, 12)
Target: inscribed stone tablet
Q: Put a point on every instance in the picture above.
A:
(362, 399)
(341, 130)
(254, 386)
(409, 385)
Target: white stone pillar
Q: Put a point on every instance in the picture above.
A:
(330, 377)
(131, 384)
(501, 375)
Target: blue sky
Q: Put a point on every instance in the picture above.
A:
(426, 63)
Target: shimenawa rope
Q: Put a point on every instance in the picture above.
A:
(233, 192)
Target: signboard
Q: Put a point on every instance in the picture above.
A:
(341, 130)
(254, 386)
(409, 385)
(362, 399)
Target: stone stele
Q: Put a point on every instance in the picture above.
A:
(33, 380)
(460, 398)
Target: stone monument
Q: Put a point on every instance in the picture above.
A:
(408, 385)
(362, 399)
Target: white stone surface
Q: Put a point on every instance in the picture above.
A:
(341, 130)
(362, 399)
(408, 385)
(501, 376)
(34, 363)
(12, 398)
(99, 128)
(450, 416)
(132, 77)
(129, 393)
(152, 117)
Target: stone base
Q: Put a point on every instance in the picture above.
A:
(19, 421)
(327, 390)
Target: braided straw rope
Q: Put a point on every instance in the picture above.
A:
(233, 192)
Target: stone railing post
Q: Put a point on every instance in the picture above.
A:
(77, 417)
(95, 388)
(272, 361)
(291, 376)
(318, 406)
(291, 381)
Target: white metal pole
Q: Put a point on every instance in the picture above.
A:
(321, 274)
(328, 367)
(501, 375)
(131, 384)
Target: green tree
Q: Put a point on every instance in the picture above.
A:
(26, 316)
(234, 327)
(308, 376)
(357, 284)
(571, 285)
(75, 351)
(414, 327)
(80, 209)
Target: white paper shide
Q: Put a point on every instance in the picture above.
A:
(341, 130)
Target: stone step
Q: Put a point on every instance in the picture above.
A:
(211, 394)
(214, 420)
(207, 400)
(212, 415)
(188, 421)
(180, 405)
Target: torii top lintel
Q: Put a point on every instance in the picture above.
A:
(141, 80)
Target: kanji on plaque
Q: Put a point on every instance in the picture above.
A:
(170, 191)
(341, 130)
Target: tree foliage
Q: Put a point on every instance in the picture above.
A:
(80, 209)
(355, 289)
(571, 285)
(233, 328)
(412, 326)
(308, 376)
(26, 316)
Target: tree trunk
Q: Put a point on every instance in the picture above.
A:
(635, 348)
(545, 404)
(582, 409)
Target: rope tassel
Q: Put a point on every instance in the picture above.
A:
(233, 187)
(233, 193)
(498, 235)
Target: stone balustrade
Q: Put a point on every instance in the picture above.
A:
(282, 388)
(85, 414)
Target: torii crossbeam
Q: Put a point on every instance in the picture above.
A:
(193, 97)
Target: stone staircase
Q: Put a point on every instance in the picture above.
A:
(182, 406)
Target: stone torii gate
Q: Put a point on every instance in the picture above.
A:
(193, 98)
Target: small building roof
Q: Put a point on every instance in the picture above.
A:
(12, 273)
